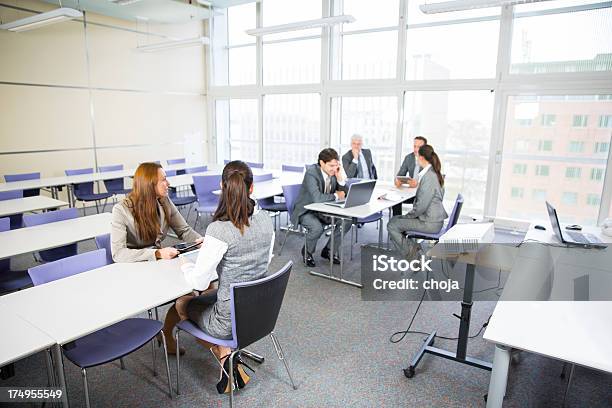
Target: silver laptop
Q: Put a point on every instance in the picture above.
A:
(571, 237)
(358, 194)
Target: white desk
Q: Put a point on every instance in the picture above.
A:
(53, 235)
(187, 179)
(28, 204)
(575, 332)
(375, 205)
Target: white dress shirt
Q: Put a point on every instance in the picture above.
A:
(326, 179)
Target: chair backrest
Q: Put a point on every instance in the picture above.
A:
(67, 267)
(205, 185)
(170, 173)
(255, 165)
(24, 176)
(454, 216)
(11, 195)
(296, 169)
(255, 306)
(175, 161)
(81, 188)
(257, 178)
(291, 193)
(198, 169)
(113, 167)
(104, 242)
(31, 220)
(5, 225)
(226, 161)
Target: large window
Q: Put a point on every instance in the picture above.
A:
(291, 129)
(367, 52)
(236, 124)
(373, 118)
(543, 44)
(578, 174)
(458, 126)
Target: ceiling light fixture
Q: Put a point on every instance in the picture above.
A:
(42, 19)
(301, 25)
(461, 5)
(189, 42)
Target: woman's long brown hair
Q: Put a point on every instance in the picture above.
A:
(235, 204)
(432, 158)
(143, 201)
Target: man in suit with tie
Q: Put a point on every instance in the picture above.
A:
(324, 181)
(357, 162)
(410, 167)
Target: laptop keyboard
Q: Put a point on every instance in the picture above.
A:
(578, 237)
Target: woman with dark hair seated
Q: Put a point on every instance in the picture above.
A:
(237, 247)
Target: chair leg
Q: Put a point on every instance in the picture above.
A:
(84, 372)
(49, 363)
(97, 209)
(231, 377)
(281, 356)
(352, 243)
(122, 363)
(569, 383)
(284, 240)
(167, 364)
(178, 360)
(153, 349)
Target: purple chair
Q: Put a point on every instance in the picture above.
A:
(255, 307)
(452, 221)
(103, 242)
(16, 219)
(268, 203)
(105, 345)
(295, 169)
(11, 280)
(85, 191)
(291, 193)
(226, 161)
(24, 176)
(377, 217)
(179, 200)
(207, 200)
(114, 186)
(50, 255)
(177, 161)
(198, 169)
(255, 165)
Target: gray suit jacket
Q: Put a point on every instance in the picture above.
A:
(126, 244)
(427, 205)
(407, 167)
(351, 168)
(313, 191)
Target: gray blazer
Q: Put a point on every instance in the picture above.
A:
(351, 168)
(407, 167)
(313, 191)
(427, 205)
(126, 245)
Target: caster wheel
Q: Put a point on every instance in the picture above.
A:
(409, 372)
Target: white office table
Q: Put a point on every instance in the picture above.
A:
(187, 179)
(53, 235)
(575, 332)
(82, 304)
(375, 205)
(29, 204)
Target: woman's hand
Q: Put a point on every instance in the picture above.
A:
(199, 242)
(166, 253)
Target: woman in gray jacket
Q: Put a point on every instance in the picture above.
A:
(427, 214)
(140, 223)
(237, 248)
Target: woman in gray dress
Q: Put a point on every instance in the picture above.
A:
(237, 248)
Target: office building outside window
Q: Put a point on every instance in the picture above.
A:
(593, 199)
(569, 198)
(545, 145)
(605, 121)
(576, 147)
(548, 120)
(580, 120)
(520, 168)
(542, 170)
(573, 172)
(517, 192)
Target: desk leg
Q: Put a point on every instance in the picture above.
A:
(59, 368)
(499, 377)
(331, 258)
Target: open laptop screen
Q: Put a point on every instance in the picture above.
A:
(554, 221)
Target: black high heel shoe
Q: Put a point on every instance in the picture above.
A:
(223, 386)
(241, 378)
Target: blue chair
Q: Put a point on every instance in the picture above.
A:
(377, 217)
(16, 219)
(295, 169)
(24, 176)
(255, 165)
(50, 255)
(85, 191)
(178, 199)
(105, 345)
(114, 186)
(255, 307)
(268, 203)
(226, 161)
(104, 242)
(452, 221)
(11, 280)
(177, 161)
(291, 193)
(207, 200)
(198, 169)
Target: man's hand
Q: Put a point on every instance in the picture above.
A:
(341, 194)
(398, 183)
(355, 153)
(340, 174)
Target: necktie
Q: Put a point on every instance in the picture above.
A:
(359, 168)
(327, 185)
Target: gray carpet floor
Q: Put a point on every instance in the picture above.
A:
(339, 351)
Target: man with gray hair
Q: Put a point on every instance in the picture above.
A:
(357, 162)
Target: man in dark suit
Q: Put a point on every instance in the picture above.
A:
(324, 181)
(410, 167)
(357, 162)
